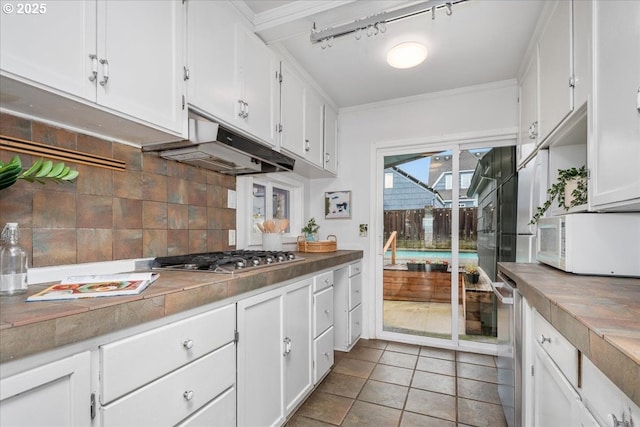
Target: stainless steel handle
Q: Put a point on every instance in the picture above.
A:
(187, 344)
(544, 339)
(615, 422)
(94, 67)
(533, 130)
(188, 395)
(287, 346)
(105, 72)
(307, 146)
(241, 112)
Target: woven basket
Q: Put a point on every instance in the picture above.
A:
(328, 245)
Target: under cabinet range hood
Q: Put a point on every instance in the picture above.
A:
(211, 146)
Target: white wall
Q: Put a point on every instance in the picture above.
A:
(415, 119)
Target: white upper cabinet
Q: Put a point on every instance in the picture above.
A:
(313, 127)
(615, 141)
(330, 139)
(528, 95)
(556, 69)
(232, 74)
(125, 56)
(291, 111)
(140, 56)
(257, 79)
(31, 46)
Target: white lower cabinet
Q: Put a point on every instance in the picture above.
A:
(347, 306)
(54, 394)
(274, 354)
(322, 325)
(166, 375)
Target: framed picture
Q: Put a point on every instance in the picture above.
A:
(337, 204)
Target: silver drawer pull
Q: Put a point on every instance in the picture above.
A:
(188, 395)
(544, 339)
(187, 344)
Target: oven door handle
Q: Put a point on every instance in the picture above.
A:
(503, 292)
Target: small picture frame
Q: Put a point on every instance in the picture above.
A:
(337, 204)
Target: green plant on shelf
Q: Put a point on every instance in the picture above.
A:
(557, 191)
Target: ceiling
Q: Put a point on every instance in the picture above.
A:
(482, 41)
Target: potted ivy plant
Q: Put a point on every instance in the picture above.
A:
(569, 190)
(311, 230)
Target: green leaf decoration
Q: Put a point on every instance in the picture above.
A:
(42, 171)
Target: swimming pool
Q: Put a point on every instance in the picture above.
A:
(403, 255)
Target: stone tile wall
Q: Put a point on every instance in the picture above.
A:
(156, 207)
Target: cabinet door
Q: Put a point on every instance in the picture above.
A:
(142, 44)
(341, 309)
(313, 127)
(211, 58)
(31, 45)
(330, 140)
(614, 146)
(527, 138)
(56, 394)
(292, 107)
(554, 398)
(260, 360)
(258, 84)
(298, 344)
(556, 68)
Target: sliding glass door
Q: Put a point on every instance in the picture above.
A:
(436, 275)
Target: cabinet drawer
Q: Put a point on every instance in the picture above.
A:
(323, 311)
(176, 396)
(135, 361)
(355, 324)
(323, 355)
(355, 291)
(322, 281)
(561, 351)
(355, 268)
(219, 412)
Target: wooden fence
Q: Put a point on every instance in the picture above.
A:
(411, 228)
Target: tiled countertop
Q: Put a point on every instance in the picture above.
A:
(34, 327)
(600, 316)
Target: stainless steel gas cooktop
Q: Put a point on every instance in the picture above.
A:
(225, 262)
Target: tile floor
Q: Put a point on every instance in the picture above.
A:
(382, 384)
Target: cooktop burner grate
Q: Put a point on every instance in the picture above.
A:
(224, 262)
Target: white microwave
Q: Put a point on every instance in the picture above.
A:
(591, 243)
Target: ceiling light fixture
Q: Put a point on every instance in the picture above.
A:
(407, 55)
(376, 23)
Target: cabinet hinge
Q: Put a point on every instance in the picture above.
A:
(532, 370)
(236, 337)
(185, 73)
(572, 81)
(279, 128)
(279, 77)
(92, 408)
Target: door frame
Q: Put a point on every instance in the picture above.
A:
(456, 143)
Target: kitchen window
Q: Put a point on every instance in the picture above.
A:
(267, 197)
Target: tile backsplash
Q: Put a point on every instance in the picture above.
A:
(156, 207)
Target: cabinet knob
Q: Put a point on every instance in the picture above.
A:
(187, 344)
(326, 354)
(326, 311)
(326, 281)
(544, 339)
(188, 395)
